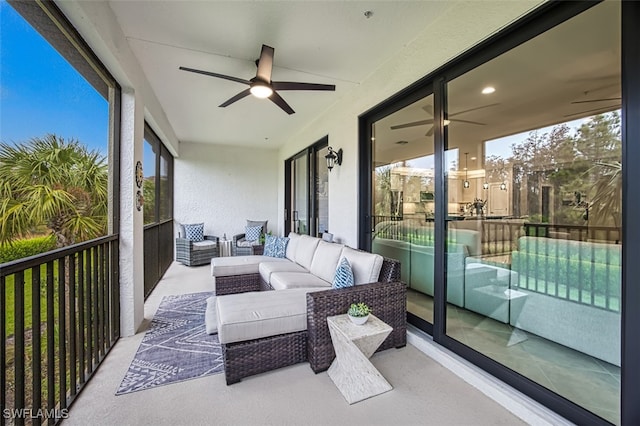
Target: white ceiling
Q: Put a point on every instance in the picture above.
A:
(317, 42)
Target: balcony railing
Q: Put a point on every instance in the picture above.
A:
(59, 317)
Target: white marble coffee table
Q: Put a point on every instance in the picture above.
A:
(351, 371)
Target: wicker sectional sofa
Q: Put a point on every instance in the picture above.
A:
(271, 312)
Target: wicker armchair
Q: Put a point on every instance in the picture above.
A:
(241, 247)
(193, 253)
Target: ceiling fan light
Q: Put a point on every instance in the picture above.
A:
(446, 122)
(261, 90)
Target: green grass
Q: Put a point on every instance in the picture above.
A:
(28, 298)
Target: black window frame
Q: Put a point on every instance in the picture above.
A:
(160, 151)
(49, 21)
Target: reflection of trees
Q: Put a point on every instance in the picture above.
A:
(382, 190)
(149, 193)
(584, 165)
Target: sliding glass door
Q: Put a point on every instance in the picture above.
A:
(498, 183)
(307, 191)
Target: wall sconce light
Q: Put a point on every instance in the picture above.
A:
(333, 158)
(485, 185)
(503, 186)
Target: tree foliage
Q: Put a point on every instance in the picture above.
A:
(56, 183)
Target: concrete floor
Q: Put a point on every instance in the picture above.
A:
(424, 391)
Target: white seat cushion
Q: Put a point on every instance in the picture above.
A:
(325, 260)
(252, 315)
(210, 316)
(305, 250)
(268, 268)
(288, 280)
(292, 246)
(365, 266)
(203, 245)
(239, 265)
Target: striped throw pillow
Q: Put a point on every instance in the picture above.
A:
(344, 275)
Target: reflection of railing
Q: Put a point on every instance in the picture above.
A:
(59, 317)
(605, 234)
(581, 272)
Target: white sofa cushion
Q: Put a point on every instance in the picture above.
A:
(292, 246)
(365, 266)
(325, 260)
(305, 250)
(239, 265)
(210, 316)
(252, 315)
(286, 280)
(268, 268)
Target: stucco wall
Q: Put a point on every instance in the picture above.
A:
(223, 186)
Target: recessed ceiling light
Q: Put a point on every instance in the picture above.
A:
(474, 158)
(402, 142)
(488, 90)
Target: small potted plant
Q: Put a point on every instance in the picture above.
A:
(359, 313)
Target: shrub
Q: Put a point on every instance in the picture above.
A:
(24, 248)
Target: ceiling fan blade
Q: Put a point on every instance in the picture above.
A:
(236, 98)
(265, 63)
(213, 74)
(430, 132)
(428, 109)
(292, 85)
(414, 124)
(277, 99)
(456, 120)
(472, 109)
(596, 100)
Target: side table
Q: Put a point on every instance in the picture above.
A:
(225, 247)
(351, 371)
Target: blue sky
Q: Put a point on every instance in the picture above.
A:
(41, 93)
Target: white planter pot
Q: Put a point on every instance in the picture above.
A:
(358, 320)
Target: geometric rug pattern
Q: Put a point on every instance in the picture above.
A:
(176, 346)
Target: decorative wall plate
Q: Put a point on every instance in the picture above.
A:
(139, 174)
(139, 200)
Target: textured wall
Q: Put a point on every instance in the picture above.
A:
(223, 186)
(131, 220)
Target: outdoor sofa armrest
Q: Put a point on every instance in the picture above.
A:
(388, 301)
(237, 237)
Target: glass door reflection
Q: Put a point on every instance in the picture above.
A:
(404, 199)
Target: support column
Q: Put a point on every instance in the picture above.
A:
(131, 219)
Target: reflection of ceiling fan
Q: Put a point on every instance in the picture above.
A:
(261, 85)
(429, 110)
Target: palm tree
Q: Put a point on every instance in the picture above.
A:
(56, 183)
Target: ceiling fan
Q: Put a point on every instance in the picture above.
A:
(429, 110)
(261, 85)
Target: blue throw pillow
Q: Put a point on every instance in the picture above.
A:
(252, 233)
(275, 246)
(344, 275)
(194, 231)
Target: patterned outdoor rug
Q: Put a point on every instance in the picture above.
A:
(176, 347)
